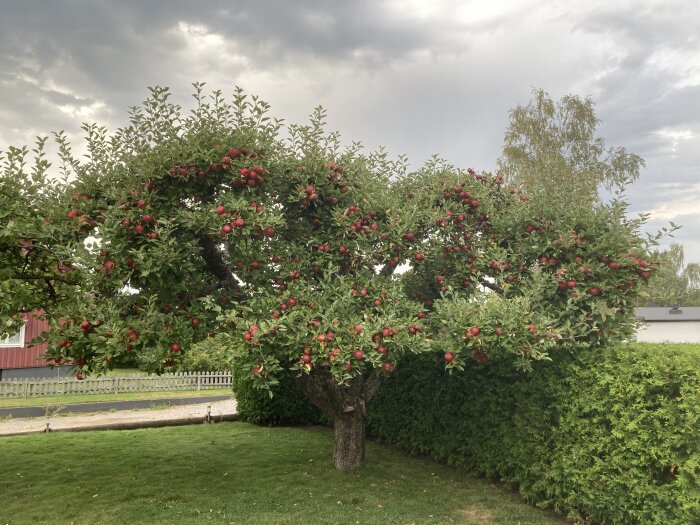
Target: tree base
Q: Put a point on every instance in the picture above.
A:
(349, 429)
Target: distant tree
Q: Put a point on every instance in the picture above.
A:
(674, 283)
(552, 152)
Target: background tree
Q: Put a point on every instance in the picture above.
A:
(552, 152)
(282, 249)
(676, 283)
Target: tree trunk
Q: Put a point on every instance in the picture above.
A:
(346, 406)
(349, 429)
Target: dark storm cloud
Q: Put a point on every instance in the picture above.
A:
(110, 36)
(110, 51)
(417, 77)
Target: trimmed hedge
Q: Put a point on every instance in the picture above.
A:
(605, 436)
(287, 406)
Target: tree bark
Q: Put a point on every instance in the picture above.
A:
(346, 406)
(218, 267)
(349, 430)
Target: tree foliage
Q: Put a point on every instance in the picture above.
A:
(553, 152)
(676, 283)
(36, 255)
(281, 246)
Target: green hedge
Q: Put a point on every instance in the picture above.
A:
(606, 436)
(287, 406)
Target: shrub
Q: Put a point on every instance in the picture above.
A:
(611, 436)
(209, 354)
(287, 406)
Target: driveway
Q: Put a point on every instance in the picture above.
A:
(105, 406)
(175, 415)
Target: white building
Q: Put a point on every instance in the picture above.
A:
(680, 324)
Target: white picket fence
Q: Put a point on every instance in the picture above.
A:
(15, 388)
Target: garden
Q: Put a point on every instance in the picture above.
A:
(478, 319)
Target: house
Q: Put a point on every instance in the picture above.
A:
(18, 358)
(678, 324)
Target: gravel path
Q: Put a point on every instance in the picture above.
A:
(122, 419)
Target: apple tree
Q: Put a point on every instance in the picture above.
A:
(36, 252)
(300, 256)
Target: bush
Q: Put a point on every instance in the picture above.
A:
(606, 436)
(287, 406)
(209, 354)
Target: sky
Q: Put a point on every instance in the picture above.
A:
(418, 77)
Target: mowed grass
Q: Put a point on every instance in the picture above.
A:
(52, 402)
(236, 473)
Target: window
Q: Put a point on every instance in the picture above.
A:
(14, 340)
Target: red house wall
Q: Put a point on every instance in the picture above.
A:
(26, 357)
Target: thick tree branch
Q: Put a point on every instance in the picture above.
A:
(387, 270)
(371, 386)
(492, 286)
(323, 391)
(217, 266)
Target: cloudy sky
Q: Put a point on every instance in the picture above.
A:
(416, 76)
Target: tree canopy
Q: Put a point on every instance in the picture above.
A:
(279, 244)
(553, 152)
(676, 283)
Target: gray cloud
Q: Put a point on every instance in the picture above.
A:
(417, 77)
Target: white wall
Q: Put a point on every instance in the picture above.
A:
(674, 332)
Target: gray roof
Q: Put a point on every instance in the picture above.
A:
(661, 313)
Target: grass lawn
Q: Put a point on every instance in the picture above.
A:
(57, 401)
(236, 473)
